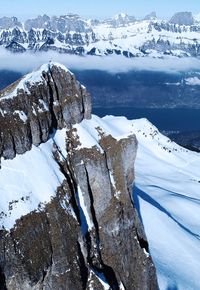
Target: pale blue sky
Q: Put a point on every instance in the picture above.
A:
(98, 9)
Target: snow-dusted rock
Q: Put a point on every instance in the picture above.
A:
(67, 213)
(121, 35)
(39, 103)
(67, 217)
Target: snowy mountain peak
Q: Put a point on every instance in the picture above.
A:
(120, 35)
(32, 79)
(51, 94)
(67, 216)
(66, 182)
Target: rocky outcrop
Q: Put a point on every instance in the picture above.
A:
(105, 180)
(88, 236)
(30, 110)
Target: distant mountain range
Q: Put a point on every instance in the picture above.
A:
(121, 35)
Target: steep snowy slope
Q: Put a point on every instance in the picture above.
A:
(22, 192)
(167, 194)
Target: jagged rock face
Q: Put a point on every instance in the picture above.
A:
(112, 213)
(89, 234)
(72, 35)
(42, 251)
(35, 109)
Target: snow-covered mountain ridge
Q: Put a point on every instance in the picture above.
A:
(120, 35)
(66, 192)
(65, 182)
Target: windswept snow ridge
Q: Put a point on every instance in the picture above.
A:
(167, 195)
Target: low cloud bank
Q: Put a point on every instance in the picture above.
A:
(29, 61)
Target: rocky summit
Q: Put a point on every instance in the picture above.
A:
(68, 219)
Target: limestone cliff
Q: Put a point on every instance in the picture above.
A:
(85, 234)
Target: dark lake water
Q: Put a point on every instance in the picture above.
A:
(183, 120)
(104, 84)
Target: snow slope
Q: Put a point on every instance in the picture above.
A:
(166, 193)
(23, 190)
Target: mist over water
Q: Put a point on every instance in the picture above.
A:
(137, 84)
(26, 62)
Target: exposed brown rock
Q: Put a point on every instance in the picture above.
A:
(57, 101)
(63, 245)
(118, 245)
